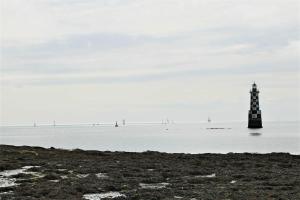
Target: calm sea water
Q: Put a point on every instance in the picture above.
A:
(187, 138)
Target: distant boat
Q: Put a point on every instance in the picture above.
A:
(116, 125)
(54, 123)
(208, 120)
(34, 125)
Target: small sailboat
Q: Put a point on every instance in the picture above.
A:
(208, 120)
(116, 125)
(34, 125)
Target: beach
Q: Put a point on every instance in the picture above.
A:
(149, 100)
(49, 173)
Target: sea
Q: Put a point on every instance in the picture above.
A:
(172, 138)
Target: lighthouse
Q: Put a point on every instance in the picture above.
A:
(254, 116)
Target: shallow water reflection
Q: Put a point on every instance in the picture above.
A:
(255, 134)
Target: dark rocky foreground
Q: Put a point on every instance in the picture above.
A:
(64, 174)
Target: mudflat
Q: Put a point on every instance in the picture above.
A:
(40, 173)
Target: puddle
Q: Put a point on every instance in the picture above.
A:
(206, 176)
(13, 172)
(35, 174)
(54, 181)
(101, 175)
(62, 170)
(178, 197)
(6, 181)
(82, 175)
(99, 196)
(6, 193)
(64, 177)
(153, 185)
(233, 181)
(150, 170)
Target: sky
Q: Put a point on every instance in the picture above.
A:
(96, 61)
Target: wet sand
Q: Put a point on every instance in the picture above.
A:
(39, 173)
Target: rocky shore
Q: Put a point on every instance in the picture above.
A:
(39, 173)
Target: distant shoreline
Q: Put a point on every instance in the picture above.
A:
(141, 123)
(74, 174)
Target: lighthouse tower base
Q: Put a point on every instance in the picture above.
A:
(254, 123)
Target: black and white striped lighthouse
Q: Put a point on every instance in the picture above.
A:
(254, 116)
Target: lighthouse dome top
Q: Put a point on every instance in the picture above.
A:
(254, 88)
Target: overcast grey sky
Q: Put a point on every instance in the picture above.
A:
(87, 61)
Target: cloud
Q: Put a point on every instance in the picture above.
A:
(40, 21)
(61, 37)
(142, 56)
(145, 54)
